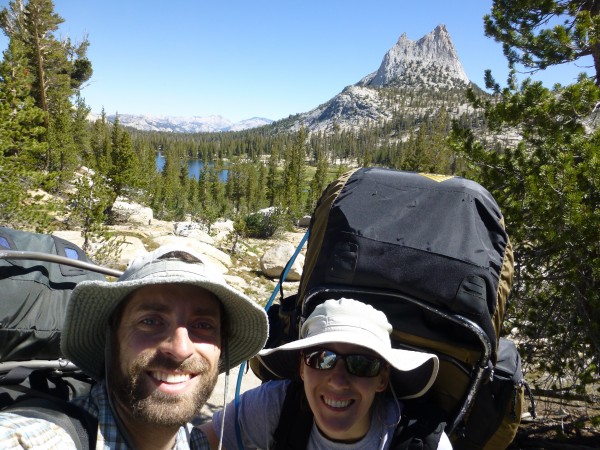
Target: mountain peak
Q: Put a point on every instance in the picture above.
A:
(433, 54)
(428, 66)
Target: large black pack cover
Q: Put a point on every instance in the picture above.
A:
(34, 295)
(440, 239)
(432, 253)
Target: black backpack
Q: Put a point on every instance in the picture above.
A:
(432, 253)
(37, 274)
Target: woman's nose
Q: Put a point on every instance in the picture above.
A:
(338, 376)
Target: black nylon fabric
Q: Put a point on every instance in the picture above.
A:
(496, 403)
(387, 228)
(34, 295)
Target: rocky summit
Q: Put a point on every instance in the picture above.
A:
(429, 67)
(430, 62)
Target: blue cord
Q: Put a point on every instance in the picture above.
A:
(238, 386)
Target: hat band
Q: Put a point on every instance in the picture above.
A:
(354, 330)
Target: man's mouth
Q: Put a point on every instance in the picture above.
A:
(169, 377)
(337, 403)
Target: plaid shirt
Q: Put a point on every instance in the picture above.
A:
(17, 432)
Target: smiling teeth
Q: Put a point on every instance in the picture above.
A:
(171, 377)
(337, 403)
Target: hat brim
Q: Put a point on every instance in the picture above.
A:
(91, 304)
(413, 372)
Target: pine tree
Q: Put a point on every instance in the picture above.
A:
(81, 129)
(58, 71)
(122, 173)
(272, 182)
(548, 185)
(293, 174)
(100, 145)
(538, 35)
(319, 181)
(21, 122)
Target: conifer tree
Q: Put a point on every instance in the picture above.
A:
(203, 191)
(21, 122)
(293, 174)
(319, 181)
(122, 171)
(537, 35)
(272, 184)
(100, 144)
(58, 70)
(548, 184)
(81, 129)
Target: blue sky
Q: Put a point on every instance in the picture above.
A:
(242, 59)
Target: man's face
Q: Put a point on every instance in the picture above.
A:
(166, 353)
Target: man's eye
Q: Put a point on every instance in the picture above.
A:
(151, 321)
(203, 325)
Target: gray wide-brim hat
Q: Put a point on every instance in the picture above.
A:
(91, 304)
(352, 322)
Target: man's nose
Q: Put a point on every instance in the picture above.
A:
(178, 344)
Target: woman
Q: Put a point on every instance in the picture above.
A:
(345, 360)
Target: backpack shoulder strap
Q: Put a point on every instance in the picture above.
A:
(295, 422)
(81, 426)
(421, 429)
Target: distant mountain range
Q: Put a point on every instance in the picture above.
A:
(429, 67)
(194, 124)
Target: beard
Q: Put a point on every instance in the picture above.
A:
(153, 407)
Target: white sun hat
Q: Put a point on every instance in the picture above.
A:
(352, 322)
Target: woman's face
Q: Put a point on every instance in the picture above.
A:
(341, 402)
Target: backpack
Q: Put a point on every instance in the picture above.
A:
(37, 274)
(432, 253)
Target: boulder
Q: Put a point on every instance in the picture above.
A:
(130, 249)
(221, 229)
(72, 236)
(276, 257)
(193, 230)
(304, 221)
(131, 213)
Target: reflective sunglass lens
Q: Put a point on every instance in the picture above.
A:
(362, 365)
(359, 365)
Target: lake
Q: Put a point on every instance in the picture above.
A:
(195, 166)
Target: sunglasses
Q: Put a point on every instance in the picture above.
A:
(359, 365)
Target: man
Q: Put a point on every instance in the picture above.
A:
(155, 340)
